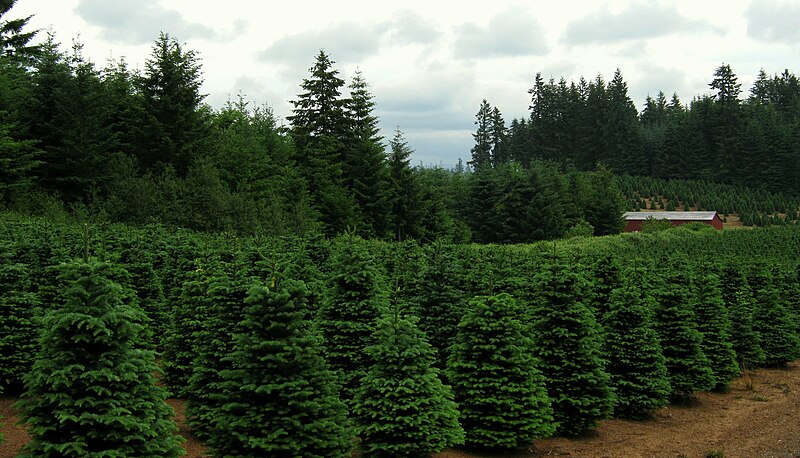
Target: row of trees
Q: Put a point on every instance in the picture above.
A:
(114, 144)
(750, 141)
(331, 328)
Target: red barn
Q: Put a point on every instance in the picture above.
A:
(634, 220)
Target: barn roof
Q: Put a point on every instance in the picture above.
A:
(671, 216)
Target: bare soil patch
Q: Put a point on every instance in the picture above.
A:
(757, 418)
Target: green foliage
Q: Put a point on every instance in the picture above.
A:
(774, 325)
(681, 343)
(91, 391)
(714, 325)
(402, 408)
(655, 225)
(213, 344)
(278, 397)
(439, 299)
(580, 229)
(636, 367)
(499, 390)
(348, 317)
(405, 216)
(188, 321)
(567, 343)
(19, 307)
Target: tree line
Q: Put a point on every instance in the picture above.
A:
(725, 136)
(116, 144)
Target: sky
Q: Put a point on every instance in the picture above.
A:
(430, 63)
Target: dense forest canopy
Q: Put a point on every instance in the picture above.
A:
(115, 144)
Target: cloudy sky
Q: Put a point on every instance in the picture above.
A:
(429, 64)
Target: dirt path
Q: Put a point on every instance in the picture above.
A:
(758, 418)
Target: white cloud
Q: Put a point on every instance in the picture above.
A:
(640, 21)
(771, 21)
(139, 21)
(509, 34)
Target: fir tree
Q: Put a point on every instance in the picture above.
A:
(18, 330)
(745, 341)
(403, 194)
(687, 365)
(438, 299)
(213, 344)
(92, 392)
(714, 326)
(738, 298)
(502, 399)
(348, 317)
(775, 328)
(566, 338)
(190, 312)
(279, 397)
(636, 366)
(402, 408)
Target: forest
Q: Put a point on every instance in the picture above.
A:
(114, 144)
(306, 291)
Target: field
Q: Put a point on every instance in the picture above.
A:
(756, 418)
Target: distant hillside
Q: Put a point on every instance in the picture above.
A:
(736, 204)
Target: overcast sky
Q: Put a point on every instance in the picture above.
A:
(430, 63)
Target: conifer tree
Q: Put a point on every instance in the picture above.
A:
(18, 309)
(501, 396)
(775, 328)
(213, 344)
(566, 338)
(439, 300)
(714, 326)
(687, 365)
(279, 398)
(636, 366)
(321, 130)
(746, 342)
(365, 170)
(190, 312)
(402, 409)
(348, 317)
(739, 301)
(403, 194)
(92, 392)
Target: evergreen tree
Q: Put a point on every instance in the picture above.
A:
(775, 327)
(714, 326)
(567, 342)
(19, 306)
(636, 366)
(321, 130)
(175, 126)
(606, 204)
(348, 317)
(402, 408)
(687, 365)
(365, 170)
(499, 390)
(92, 392)
(482, 151)
(439, 299)
(746, 342)
(13, 41)
(213, 344)
(403, 193)
(498, 135)
(190, 313)
(279, 397)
